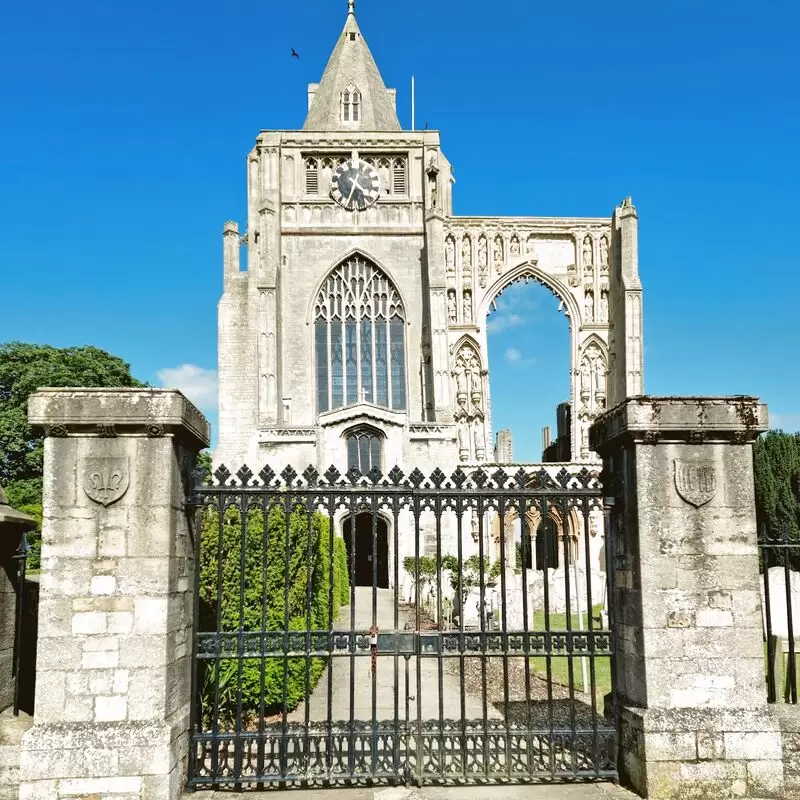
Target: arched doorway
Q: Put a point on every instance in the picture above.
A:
(365, 554)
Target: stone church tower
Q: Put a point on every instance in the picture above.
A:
(357, 335)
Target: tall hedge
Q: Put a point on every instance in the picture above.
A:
(228, 551)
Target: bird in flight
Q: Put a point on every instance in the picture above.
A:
(295, 54)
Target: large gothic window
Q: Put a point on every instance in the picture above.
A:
(359, 338)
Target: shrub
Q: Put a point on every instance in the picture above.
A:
(246, 578)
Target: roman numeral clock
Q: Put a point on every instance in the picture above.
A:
(355, 185)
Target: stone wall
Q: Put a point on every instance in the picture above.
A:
(687, 614)
(116, 599)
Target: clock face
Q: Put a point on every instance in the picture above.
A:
(355, 184)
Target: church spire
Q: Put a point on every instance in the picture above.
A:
(351, 94)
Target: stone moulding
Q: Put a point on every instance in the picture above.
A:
(691, 420)
(117, 412)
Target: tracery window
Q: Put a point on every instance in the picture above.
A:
(359, 338)
(363, 449)
(351, 104)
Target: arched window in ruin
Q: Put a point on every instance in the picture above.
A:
(359, 338)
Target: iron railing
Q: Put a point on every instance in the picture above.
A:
(779, 558)
(356, 629)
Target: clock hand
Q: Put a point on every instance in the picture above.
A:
(353, 184)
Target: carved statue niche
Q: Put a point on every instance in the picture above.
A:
(588, 306)
(466, 253)
(468, 306)
(451, 306)
(604, 253)
(515, 246)
(468, 376)
(450, 255)
(483, 259)
(530, 245)
(592, 372)
(603, 315)
(498, 254)
(587, 254)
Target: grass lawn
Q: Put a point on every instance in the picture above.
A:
(559, 665)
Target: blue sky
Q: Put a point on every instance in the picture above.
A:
(125, 128)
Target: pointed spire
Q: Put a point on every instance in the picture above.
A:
(352, 94)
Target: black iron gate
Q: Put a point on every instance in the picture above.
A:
(401, 629)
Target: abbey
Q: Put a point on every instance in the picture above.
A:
(357, 335)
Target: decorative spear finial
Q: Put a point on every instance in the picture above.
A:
(351, 6)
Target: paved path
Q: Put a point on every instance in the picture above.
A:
(451, 695)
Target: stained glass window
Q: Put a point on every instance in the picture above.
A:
(359, 336)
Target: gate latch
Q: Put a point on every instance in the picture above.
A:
(373, 647)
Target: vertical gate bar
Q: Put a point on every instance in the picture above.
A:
(501, 500)
(329, 700)
(284, 746)
(461, 602)
(417, 619)
(482, 618)
(22, 556)
(592, 672)
(526, 540)
(374, 663)
(238, 754)
(791, 676)
(396, 624)
(608, 534)
(351, 763)
(544, 503)
(195, 709)
(262, 678)
(218, 649)
(766, 552)
(439, 642)
(310, 568)
(563, 507)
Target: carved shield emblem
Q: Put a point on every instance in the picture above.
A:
(105, 480)
(695, 481)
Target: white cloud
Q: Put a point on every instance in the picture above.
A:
(499, 322)
(198, 384)
(513, 356)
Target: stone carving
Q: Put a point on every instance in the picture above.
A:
(105, 480)
(468, 376)
(587, 253)
(451, 306)
(498, 254)
(449, 255)
(588, 306)
(591, 390)
(155, 431)
(468, 306)
(603, 311)
(466, 253)
(604, 253)
(106, 431)
(695, 481)
(58, 431)
(572, 275)
(515, 245)
(483, 260)
(530, 245)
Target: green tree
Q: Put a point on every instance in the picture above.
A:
(24, 368)
(776, 461)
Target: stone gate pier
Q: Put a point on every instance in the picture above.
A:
(687, 611)
(115, 615)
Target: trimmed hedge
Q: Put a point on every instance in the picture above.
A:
(224, 607)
